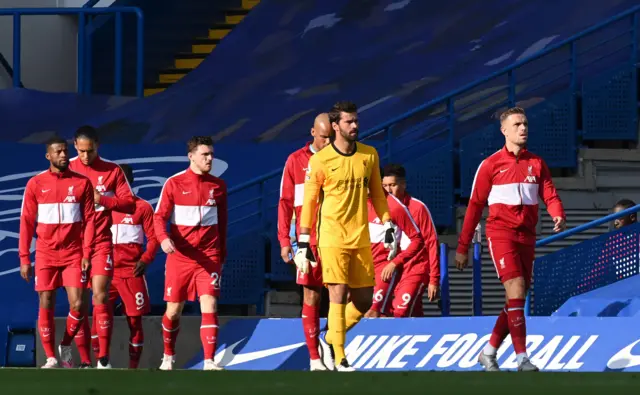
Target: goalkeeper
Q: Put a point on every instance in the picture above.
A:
(339, 178)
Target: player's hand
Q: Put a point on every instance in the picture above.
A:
(304, 256)
(96, 196)
(26, 271)
(462, 260)
(390, 241)
(167, 246)
(85, 264)
(559, 224)
(286, 253)
(387, 272)
(432, 292)
(139, 269)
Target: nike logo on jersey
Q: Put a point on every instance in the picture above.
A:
(45, 190)
(503, 170)
(186, 192)
(334, 169)
(139, 307)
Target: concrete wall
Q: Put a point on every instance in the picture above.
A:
(48, 48)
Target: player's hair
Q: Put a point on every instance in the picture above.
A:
(128, 172)
(625, 203)
(195, 141)
(88, 133)
(340, 107)
(511, 111)
(394, 170)
(55, 140)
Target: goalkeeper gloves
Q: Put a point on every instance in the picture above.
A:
(390, 242)
(304, 255)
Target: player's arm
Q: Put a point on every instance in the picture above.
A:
(430, 236)
(479, 196)
(123, 200)
(152, 241)
(28, 215)
(164, 209)
(223, 221)
(312, 186)
(378, 197)
(549, 196)
(88, 223)
(314, 180)
(285, 204)
(411, 230)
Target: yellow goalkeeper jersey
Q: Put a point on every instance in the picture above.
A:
(341, 183)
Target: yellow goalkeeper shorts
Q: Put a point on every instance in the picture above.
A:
(351, 266)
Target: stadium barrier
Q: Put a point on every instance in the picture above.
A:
(84, 42)
(554, 344)
(585, 266)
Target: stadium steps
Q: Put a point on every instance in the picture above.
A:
(492, 290)
(200, 48)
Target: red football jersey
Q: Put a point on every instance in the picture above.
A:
(427, 261)
(292, 195)
(58, 208)
(129, 231)
(116, 194)
(407, 228)
(511, 186)
(196, 205)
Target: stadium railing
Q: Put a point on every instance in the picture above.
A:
(562, 274)
(84, 42)
(439, 126)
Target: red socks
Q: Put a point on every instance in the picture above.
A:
(517, 325)
(310, 324)
(136, 341)
(102, 315)
(170, 331)
(74, 324)
(47, 332)
(83, 339)
(500, 331)
(209, 334)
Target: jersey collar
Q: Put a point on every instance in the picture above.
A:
(342, 153)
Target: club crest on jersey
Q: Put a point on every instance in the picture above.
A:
(530, 178)
(128, 219)
(211, 201)
(308, 172)
(70, 198)
(100, 187)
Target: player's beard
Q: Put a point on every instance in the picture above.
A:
(348, 137)
(61, 167)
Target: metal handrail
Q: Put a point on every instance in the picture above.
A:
(587, 226)
(82, 13)
(7, 67)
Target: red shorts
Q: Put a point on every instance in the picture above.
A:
(382, 292)
(184, 280)
(512, 259)
(49, 277)
(134, 295)
(101, 261)
(408, 294)
(314, 277)
(401, 296)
